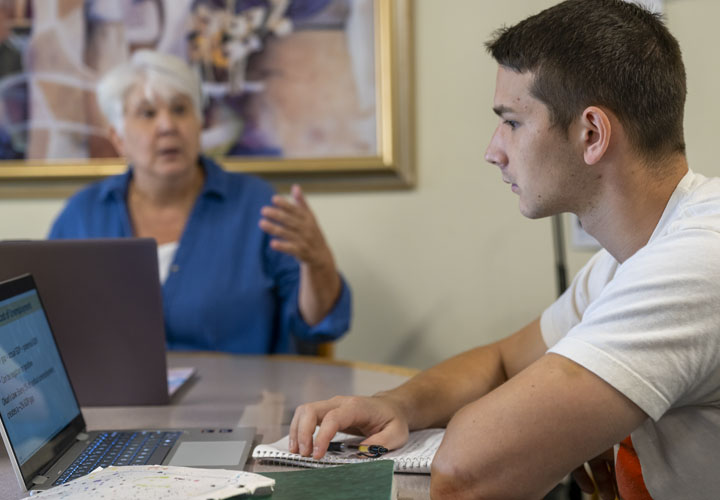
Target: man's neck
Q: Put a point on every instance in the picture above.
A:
(631, 205)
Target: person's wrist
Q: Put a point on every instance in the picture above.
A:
(323, 263)
(323, 272)
(401, 406)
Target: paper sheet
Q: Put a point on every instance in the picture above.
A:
(176, 377)
(159, 482)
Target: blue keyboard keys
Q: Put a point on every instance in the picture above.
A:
(121, 448)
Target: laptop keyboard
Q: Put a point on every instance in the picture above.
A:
(121, 448)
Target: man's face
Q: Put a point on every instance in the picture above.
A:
(538, 161)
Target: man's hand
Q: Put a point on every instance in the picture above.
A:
(378, 418)
(602, 468)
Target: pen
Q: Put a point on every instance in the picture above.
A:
(369, 450)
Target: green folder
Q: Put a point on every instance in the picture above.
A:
(371, 480)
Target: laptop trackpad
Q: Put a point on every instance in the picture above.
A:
(204, 453)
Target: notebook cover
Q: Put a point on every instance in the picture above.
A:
(372, 480)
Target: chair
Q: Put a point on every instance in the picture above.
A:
(322, 349)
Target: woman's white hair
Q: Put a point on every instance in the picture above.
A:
(161, 74)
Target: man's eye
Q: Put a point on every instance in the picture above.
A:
(146, 113)
(511, 123)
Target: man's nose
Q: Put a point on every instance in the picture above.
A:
(495, 153)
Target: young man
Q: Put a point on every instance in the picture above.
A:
(590, 95)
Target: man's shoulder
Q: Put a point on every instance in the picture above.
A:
(699, 207)
(694, 206)
(702, 191)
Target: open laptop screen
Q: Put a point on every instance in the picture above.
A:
(37, 402)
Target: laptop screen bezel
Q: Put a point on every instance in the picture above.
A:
(43, 457)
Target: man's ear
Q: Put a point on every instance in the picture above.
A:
(596, 132)
(117, 141)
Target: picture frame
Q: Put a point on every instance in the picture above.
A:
(388, 165)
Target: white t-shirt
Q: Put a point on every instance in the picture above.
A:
(650, 327)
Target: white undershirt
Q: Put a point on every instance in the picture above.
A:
(166, 255)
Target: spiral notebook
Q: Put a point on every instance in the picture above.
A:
(415, 457)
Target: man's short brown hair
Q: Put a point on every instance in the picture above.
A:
(607, 53)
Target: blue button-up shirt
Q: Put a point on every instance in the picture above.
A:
(227, 289)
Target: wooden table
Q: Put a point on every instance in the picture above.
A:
(258, 391)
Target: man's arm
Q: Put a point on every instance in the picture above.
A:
(522, 438)
(429, 399)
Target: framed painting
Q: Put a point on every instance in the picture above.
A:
(316, 91)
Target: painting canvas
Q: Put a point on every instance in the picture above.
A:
(313, 90)
(290, 80)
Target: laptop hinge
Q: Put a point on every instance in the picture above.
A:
(40, 479)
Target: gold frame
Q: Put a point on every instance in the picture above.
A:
(392, 168)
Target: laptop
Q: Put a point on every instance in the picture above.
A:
(42, 425)
(105, 301)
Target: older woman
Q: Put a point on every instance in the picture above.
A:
(243, 270)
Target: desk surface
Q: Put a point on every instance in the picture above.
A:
(258, 391)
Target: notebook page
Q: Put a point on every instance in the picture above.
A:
(418, 452)
(415, 457)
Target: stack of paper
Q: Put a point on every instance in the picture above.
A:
(159, 482)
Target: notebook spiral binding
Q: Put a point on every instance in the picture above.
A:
(415, 457)
(402, 464)
(411, 464)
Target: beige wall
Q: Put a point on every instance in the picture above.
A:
(452, 264)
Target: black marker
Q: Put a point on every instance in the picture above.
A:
(369, 450)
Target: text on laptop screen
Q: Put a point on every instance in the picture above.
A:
(36, 399)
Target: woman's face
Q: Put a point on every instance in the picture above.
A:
(161, 136)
